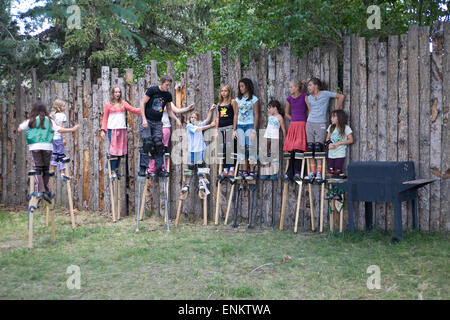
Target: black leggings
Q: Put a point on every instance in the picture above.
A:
(294, 165)
(227, 133)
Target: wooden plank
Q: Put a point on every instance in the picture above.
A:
(445, 161)
(413, 101)
(403, 111)
(261, 72)
(354, 98)
(211, 150)
(362, 70)
(435, 126)
(392, 113)
(370, 119)
(94, 172)
(190, 98)
(424, 125)
(382, 109)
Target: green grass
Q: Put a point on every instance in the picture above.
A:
(214, 262)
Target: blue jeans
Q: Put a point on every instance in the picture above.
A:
(114, 163)
(245, 144)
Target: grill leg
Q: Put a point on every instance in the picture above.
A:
(369, 215)
(397, 222)
(415, 214)
(351, 218)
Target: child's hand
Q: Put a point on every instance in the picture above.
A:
(235, 134)
(214, 106)
(102, 135)
(191, 106)
(332, 146)
(253, 135)
(76, 127)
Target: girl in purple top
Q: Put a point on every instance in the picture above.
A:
(296, 111)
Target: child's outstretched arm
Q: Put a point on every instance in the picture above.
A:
(134, 110)
(68, 130)
(339, 101)
(212, 124)
(172, 115)
(210, 111)
(177, 110)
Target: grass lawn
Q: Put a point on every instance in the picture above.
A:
(214, 262)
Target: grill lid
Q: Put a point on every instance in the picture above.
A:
(381, 172)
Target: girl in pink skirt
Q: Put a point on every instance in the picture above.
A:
(296, 112)
(114, 124)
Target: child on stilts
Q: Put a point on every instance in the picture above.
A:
(248, 118)
(39, 130)
(57, 114)
(275, 122)
(114, 124)
(317, 103)
(296, 111)
(196, 145)
(226, 123)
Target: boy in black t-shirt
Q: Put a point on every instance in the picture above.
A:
(152, 107)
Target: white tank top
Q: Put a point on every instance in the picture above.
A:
(273, 128)
(165, 119)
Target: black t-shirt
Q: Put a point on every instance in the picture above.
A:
(226, 115)
(155, 106)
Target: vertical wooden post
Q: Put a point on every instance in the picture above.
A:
(436, 125)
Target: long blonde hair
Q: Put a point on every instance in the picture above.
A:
(111, 95)
(58, 104)
(230, 93)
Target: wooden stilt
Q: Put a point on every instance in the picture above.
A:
(111, 190)
(311, 198)
(216, 215)
(32, 204)
(300, 188)
(287, 157)
(230, 198)
(144, 194)
(69, 195)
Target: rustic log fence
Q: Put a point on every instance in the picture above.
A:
(397, 100)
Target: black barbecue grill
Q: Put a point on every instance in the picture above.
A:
(382, 182)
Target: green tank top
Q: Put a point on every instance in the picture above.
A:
(38, 135)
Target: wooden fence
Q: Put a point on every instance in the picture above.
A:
(397, 100)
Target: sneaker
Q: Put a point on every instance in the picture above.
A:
(297, 177)
(318, 178)
(185, 188)
(65, 178)
(230, 174)
(220, 177)
(113, 175)
(309, 177)
(286, 177)
(142, 171)
(47, 196)
(163, 173)
(251, 175)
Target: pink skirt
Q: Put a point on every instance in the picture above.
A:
(118, 145)
(296, 137)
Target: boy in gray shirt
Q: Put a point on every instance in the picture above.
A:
(316, 124)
